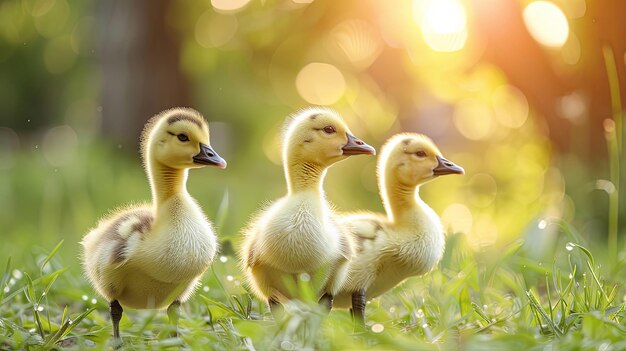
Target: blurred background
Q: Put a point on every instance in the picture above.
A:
(525, 95)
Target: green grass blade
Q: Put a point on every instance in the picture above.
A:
(66, 327)
(479, 311)
(5, 278)
(221, 305)
(23, 288)
(51, 255)
(45, 291)
(549, 297)
(535, 305)
(597, 281)
(584, 250)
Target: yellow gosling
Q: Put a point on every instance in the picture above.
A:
(151, 256)
(408, 240)
(296, 236)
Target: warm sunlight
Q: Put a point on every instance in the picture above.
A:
(229, 5)
(320, 83)
(443, 23)
(546, 22)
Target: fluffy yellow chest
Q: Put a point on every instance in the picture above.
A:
(181, 246)
(418, 246)
(298, 235)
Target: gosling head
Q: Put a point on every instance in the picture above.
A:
(320, 136)
(179, 138)
(413, 159)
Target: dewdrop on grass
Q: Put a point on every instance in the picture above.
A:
(305, 277)
(223, 259)
(378, 328)
(542, 224)
(287, 345)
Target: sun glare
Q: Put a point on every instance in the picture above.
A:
(443, 23)
(320, 83)
(229, 5)
(547, 23)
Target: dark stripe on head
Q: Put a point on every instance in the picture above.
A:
(184, 117)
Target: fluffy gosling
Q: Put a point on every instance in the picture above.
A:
(297, 233)
(408, 240)
(151, 256)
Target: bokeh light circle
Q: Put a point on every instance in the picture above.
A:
(443, 23)
(60, 145)
(547, 23)
(474, 119)
(457, 218)
(320, 83)
(215, 30)
(229, 5)
(510, 106)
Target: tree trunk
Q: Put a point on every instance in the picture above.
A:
(141, 74)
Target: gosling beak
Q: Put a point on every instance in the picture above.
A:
(356, 146)
(209, 157)
(447, 167)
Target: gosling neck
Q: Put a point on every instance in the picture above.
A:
(401, 202)
(304, 176)
(166, 182)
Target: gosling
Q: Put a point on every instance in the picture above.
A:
(296, 236)
(151, 256)
(408, 240)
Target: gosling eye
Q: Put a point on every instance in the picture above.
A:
(182, 137)
(329, 129)
(421, 153)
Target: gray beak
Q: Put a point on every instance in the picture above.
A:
(356, 146)
(209, 157)
(447, 167)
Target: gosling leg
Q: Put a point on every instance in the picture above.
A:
(358, 309)
(116, 311)
(327, 301)
(173, 313)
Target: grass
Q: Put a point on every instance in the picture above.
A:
(474, 300)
